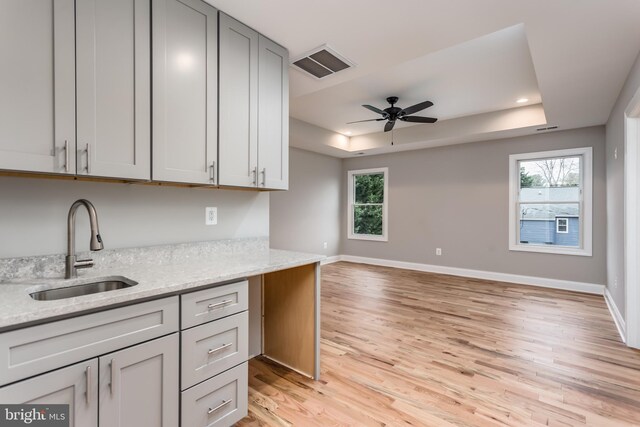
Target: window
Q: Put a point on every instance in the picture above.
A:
(368, 196)
(562, 225)
(550, 202)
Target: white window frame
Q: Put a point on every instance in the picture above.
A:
(566, 225)
(385, 204)
(586, 214)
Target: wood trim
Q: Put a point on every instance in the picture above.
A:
(615, 313)
(289, 317)
(589, 288)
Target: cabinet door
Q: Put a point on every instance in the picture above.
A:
(139, 385)
(114, 88)
(37, 86)
(76, 386)
(273, 113)
(185, 112)
(238, 103)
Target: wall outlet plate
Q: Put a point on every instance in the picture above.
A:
(211, 216)
(438, 251)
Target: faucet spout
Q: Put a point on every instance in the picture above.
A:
(95, 244)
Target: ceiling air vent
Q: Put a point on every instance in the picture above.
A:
(322, 62)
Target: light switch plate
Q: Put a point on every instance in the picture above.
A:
(211, 216)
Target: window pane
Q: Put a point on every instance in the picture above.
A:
(550, 194)
(559, 172)
(539, 224)
(367, 220)
(369, 188)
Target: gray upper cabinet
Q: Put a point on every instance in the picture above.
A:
(139, 385)
(273, 113)
(37, 86)
(113, 39)
(254, 108)
(238, 103)
(76, 386)
(185, 139)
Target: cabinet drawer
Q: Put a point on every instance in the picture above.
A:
(214, 347)
(220, 401)
(30, 351)
(211, 304)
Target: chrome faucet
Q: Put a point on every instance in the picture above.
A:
(71, 263)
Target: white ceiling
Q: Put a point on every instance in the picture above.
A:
(467, 56)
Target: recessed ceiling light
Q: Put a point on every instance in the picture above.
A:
(348, 133)
(522, 100)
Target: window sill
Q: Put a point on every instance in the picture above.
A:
(556, 250)
(369, 237)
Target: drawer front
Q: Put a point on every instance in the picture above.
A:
(220, 401)
(212, 348)
(30, 351)
(214, 303)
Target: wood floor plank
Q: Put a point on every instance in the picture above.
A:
(405, 348)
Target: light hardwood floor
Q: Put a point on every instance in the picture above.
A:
(408, 348)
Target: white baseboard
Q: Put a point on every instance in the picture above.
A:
(617, 317)
(589, 288)
(331, 259)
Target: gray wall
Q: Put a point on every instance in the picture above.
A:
(33, 214)
(309, 214)
(456, 198)
(615, 190)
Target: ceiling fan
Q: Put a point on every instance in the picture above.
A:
(391, 114)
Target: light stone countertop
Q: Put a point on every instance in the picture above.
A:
(159, 270)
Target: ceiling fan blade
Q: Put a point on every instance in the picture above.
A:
(390, 124)
(370, 120)
(375, 110)
(417, 119)
(416, 108)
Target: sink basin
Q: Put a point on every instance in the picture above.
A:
(94, 287)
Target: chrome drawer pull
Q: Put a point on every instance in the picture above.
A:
(219, 304)
(222, 347)
(220, 406)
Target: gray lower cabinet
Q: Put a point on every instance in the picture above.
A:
(185, 99)
(254, 113)
(113, 56)
(76, 386)
(133, 387)
(37, 83)
(139, 385)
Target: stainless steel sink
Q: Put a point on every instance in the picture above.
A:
(94, 287)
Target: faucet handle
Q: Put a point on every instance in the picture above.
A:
(83, 263)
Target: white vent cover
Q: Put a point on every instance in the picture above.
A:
(322, 62)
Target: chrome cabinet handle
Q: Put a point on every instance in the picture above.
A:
(66, 156)
(264, 177)
(112, 384)
(88, 160)
(87, 372)
(222, 347)
(219, 304)
(220, 406)
(212, 172)
(254, 172)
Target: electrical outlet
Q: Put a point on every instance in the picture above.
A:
(615, 153)
(325, 245)
(615, 283)
(211, 216)
(438, 251)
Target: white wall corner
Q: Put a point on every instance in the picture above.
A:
(567, 285)
(615, 313)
